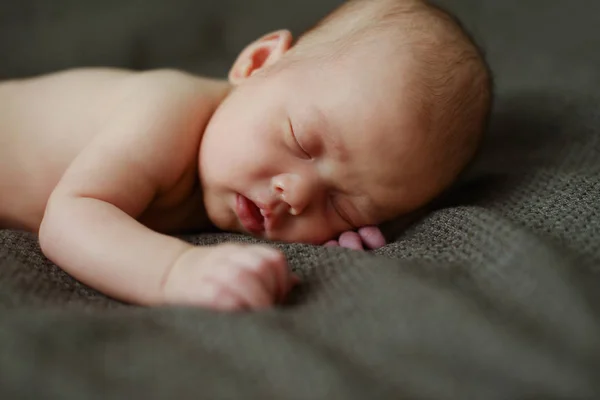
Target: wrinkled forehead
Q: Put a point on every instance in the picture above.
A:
(366, 110)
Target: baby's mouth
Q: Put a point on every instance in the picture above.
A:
(249, 215)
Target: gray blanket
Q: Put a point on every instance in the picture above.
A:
(494, 293)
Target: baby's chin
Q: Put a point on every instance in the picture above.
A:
(225, 223)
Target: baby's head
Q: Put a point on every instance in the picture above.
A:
(369, 116)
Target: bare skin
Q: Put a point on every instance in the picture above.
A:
(105, 164)
(87, 161)
(305, 142)
(68, 132)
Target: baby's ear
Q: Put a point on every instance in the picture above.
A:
(263, 52)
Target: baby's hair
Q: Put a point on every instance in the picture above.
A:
(455, 87)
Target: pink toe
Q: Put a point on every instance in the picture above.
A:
(332, 243)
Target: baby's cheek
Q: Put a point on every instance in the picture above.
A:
(220, 215)
(319, 233)
(311, 228)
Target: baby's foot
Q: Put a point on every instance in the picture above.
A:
(229, 277)
(369, 236)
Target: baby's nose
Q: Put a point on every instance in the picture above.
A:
(296, 191)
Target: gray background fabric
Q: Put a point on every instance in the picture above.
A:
(492, 294)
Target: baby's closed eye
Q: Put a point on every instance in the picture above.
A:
(296, 146)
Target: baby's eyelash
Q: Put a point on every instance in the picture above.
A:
(297, 142)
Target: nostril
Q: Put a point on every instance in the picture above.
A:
(279, 189)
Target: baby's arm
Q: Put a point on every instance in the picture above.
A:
(90, 229)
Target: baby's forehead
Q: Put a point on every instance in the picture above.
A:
(364, 128)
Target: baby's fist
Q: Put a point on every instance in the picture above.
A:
(229, 277)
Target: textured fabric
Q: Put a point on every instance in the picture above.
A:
(494, 293)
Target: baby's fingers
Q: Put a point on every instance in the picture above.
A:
(372, 237)
(272, 267)
(246, 286)
(351, 240)
(256, 261)
(215, 295)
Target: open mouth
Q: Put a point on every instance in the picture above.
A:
(249, 215)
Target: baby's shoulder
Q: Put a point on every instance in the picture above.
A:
(174, 95)
(180, 83)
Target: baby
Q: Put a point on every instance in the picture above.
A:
(369, 116)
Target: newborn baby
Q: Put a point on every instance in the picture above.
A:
(369, 116)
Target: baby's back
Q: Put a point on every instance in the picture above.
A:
(44, 123)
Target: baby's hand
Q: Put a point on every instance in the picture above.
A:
(229, 277)
(370, 236)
